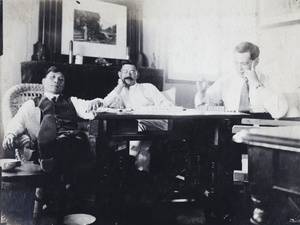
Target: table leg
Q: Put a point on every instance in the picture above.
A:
(260, 185)
(38, 206)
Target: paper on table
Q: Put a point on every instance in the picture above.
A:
(113, 110)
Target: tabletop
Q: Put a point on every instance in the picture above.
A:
(26, 169)
(165, 113)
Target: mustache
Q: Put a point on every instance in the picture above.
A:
(128, 78)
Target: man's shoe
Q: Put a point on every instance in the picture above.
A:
(46, 164)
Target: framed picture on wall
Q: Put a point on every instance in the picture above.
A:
(278, 12)
(97, 29)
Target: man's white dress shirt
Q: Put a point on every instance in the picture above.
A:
(139, 95)
(227, 91)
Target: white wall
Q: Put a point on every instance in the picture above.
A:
(280, 59)
(199, 34)
(20, 32)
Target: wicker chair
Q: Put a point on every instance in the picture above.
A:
(13, 100)
(11, 103)
(16, 96)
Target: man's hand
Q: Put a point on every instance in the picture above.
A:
(120, 86)
(201, 87)
(251, 75)
(94, 105)
(9, 142)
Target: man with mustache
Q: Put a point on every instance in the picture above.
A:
(246, 91)
(130, 94)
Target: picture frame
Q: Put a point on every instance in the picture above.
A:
(279, 12)
(97, 29)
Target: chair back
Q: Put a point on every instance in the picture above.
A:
(15, 96)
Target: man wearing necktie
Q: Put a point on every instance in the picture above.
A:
(245, 90)
(234, 90)
(51, 123)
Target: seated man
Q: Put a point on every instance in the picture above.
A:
(130, 94)
(50, 122)
(246, 91)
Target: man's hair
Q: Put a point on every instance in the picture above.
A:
(248, 47)
(53, 69)
(129, 62)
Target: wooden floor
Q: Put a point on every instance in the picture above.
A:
(134, 206)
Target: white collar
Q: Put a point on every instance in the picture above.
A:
(133, 86)
(50, 95)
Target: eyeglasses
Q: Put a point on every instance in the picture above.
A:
(130, 71)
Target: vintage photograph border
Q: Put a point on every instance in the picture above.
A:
(1, 28)
(117, 51)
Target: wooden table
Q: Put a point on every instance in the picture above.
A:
(23, 180)
(274, 159)
(117, 126)
(23, 174)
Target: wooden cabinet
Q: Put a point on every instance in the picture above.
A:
(87, 81)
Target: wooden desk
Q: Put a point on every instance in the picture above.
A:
(24, 180)
(273, 170)
(187, 125)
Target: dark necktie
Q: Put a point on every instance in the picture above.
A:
(53, 99)
(244, 99)
(47, 106)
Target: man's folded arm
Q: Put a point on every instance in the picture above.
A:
(113, 100)
(274, 103)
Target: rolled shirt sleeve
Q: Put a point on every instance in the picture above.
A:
(81, 107)
(274, 103)
(113, 100)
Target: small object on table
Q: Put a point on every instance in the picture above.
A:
(9, 164)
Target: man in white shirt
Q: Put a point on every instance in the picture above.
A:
(246, 91)
(130, 94)
(249, 91)
(50, 123)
